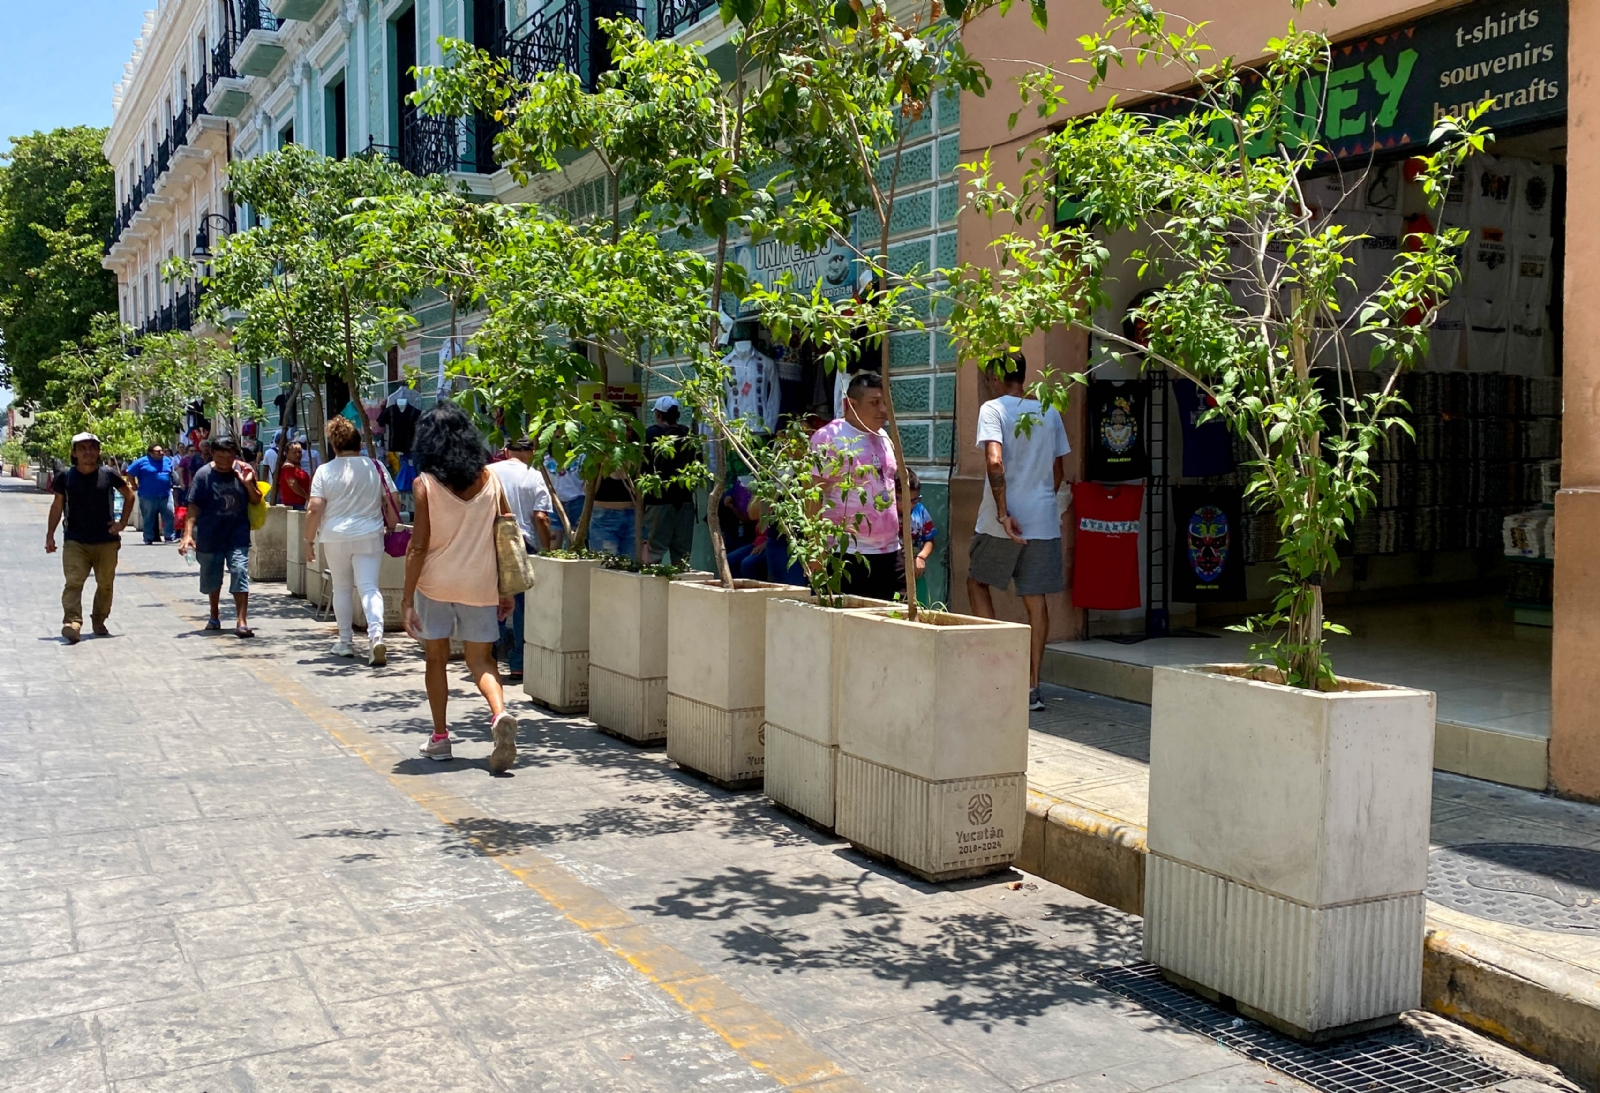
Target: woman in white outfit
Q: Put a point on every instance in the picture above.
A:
(352, 504)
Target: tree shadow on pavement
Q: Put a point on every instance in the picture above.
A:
(975, 966)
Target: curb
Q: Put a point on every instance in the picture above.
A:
(1533, 1004)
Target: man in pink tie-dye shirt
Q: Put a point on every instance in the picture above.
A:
(862, 499)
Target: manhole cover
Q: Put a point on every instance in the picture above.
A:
(1555, 888)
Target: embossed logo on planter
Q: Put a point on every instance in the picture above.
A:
(980, 810)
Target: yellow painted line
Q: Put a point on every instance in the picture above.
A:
(759, 1038)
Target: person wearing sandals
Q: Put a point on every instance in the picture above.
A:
(217, 529)
(452, 579)
(352, 503)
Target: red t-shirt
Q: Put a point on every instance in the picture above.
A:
(1105, 557)
(294, 486)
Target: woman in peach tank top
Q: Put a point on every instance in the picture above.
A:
(452, 583)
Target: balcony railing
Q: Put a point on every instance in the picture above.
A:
(550, 38)
(673, 17)
(255, 15)
(178, 314)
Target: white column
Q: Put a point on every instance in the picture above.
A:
(435, 28)
(358, 81)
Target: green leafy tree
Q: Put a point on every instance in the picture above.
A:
(297, 287)
(81, 394)
(170, 372)
(1220, 190)
(56, 196)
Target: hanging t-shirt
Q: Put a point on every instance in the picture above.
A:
(400, 425)
(1118, 451)
(1535, 185)
(1209, 562)
(1105, 557)
(1530, 306)
(867, 478)
(1030, 455)
(1489, 191)
(1447, 336)
(1487, 330)
(1487, 264)
(1208, 447)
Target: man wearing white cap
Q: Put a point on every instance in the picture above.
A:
(669, 513)
(83, 496)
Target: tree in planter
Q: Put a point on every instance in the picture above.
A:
(556, 299)
(170, 372)
(298, 282)
(1222, 190)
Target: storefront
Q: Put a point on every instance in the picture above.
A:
(1447, 581)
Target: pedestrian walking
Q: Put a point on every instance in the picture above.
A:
(294, 484)
(669, 517)
(531, 504)
(83, 495)
(218, 530)
(569, 488)
(352, 503)
(861, 500)
(452, 580)
(152, 472)
(1018, 539)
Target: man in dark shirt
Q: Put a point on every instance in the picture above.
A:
(669, 515)
(217, 529)
(83, 494)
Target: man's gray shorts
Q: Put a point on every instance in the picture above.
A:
(1034, 564)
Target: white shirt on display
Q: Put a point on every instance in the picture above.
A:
(1030, 457)
(752, 387)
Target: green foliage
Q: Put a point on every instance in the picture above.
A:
(81, 394)
(56, 195)
(1219, 189)
(171, 371)
(301, 286)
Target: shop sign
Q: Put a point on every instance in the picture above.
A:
(831, 266)
(1384, 93)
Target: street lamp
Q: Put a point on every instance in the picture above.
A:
(202, 234)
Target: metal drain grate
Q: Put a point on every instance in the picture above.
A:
(1397, 1059)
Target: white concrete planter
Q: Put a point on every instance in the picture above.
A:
(295, 552)
(716, 677)
(319, 589)
(269, 553)
(628, 654)
(1288, 845)
(555, 631)
(933, 740)
(802, 729)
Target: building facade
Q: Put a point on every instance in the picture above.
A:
(1501, 405)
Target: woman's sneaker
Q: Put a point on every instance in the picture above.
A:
(437, 747)
(505, 744)
(379, 656)
(342, 649)
(1035, 703)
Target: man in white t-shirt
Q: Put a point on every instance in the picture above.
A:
(1018, 538)
(530, 502)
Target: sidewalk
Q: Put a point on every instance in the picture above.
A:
(1513, 893)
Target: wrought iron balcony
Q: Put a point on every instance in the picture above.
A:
(550, 38)
(161, 156)
(673, 17)
(179, 314)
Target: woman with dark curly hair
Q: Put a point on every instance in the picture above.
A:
(452, 583)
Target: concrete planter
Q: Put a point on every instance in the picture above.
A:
(802, 728)
(933, 740)
(319, 589)
(1288, 845)
(555, 653)
(628, 654)
(295, 552)
(269, 554)
(716, 678)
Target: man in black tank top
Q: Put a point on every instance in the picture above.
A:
(83, 496)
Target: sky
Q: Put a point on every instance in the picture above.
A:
(58, 60)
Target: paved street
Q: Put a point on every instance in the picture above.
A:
(223, 869)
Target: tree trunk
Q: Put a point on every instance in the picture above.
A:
(322, 416)
(581, 534)
(561, 510)
(719, 549)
